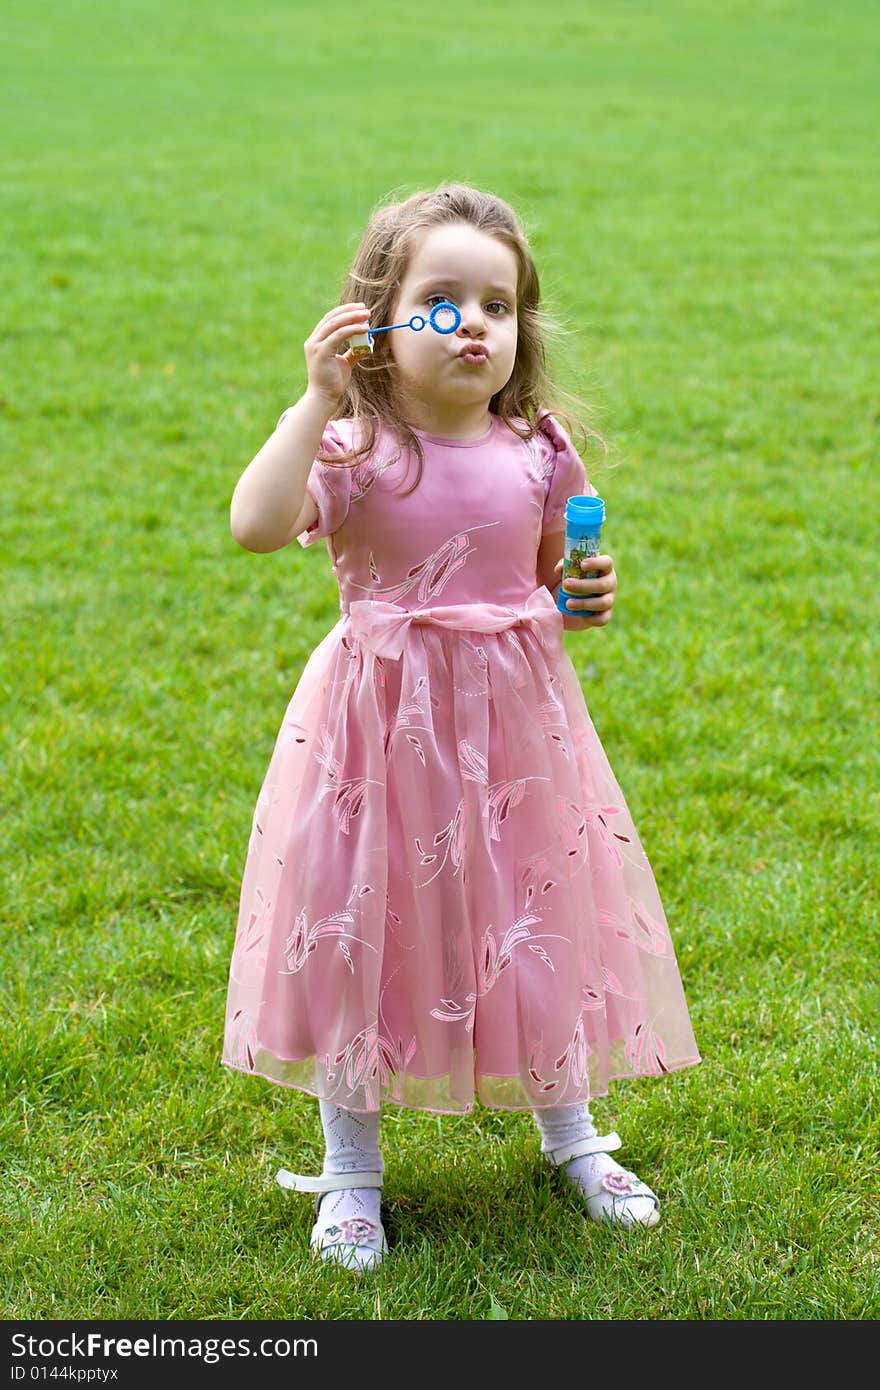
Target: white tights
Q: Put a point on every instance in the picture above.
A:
(352, 1144)
(559, 1125)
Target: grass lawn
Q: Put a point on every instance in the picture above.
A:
(184, 187)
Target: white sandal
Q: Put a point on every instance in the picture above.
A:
(620, 1186)
(354, 1242)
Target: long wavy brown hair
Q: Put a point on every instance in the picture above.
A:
(376, 276)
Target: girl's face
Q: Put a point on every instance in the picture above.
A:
(478, 274)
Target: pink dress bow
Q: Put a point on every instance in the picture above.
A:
(383, 626)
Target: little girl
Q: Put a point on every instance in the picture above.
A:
(444, 899)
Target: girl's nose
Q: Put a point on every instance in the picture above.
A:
(472, 320)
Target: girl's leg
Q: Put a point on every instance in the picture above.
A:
(611, 1192)
(352, 1144)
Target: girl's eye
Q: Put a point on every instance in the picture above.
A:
(497, 306)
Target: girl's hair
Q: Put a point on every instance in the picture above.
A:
(376, 276)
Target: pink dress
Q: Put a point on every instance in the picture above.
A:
(444, 898)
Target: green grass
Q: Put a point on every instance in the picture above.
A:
(184, 186)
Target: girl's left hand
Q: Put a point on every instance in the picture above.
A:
(596, 610)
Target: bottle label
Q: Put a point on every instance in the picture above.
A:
(578, 548)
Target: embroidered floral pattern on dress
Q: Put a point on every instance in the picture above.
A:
(571, 1067)
(416, 708)
(348, 795)
(304, 938)
(430, 575)
(646, 1051)
(240, 1040)
(494, 959)
(452, 839)
(539, 465)
(369, 1064)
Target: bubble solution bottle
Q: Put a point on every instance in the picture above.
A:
(583, 526)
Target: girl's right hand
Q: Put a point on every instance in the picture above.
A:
(330, 371)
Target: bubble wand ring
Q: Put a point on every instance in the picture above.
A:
(444, 318)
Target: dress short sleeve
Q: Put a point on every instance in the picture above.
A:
(328, 484)
(566, 476)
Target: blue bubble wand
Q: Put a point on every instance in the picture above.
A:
(443, 318)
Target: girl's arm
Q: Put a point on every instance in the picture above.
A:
(270, 496)
(270, 493)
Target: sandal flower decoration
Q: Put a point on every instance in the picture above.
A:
(622, 1184)
(351, 1229)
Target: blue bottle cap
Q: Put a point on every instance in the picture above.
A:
(587, 512)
